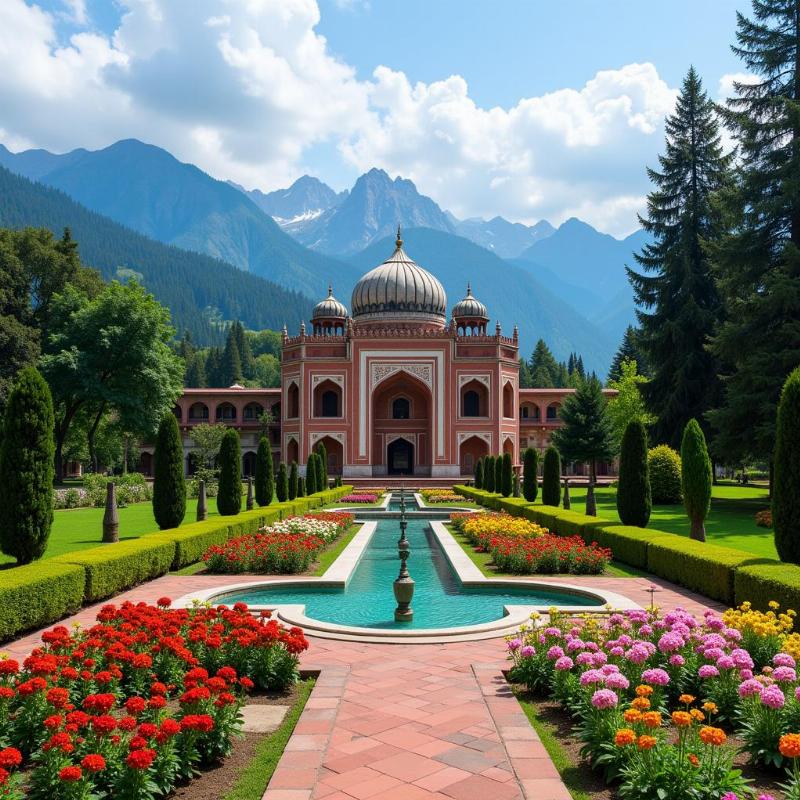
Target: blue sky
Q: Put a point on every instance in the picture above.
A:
(526, 109)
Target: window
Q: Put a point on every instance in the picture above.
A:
(226, 412)
(330, 403)
(293, 398)
(198, 411)
(472, 404)
(401, 408)
(552, 412)
(252, 411)
(508, 401)
(523, 412)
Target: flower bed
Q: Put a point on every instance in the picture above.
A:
(441, 496)
(360, 497)
(136, 704)
(130, 488)
(654, 699)
(284, 548)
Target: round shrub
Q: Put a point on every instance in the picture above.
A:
(634, 501)
(786, 487)
(229, 493)
(530, 476)
(665, 475)
(282, 484)
(551, 477)
(169, 485)
(26, 468)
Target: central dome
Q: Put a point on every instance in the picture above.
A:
(399, 290)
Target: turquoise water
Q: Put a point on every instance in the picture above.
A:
(440, 601)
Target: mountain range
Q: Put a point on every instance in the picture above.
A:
(566, 284)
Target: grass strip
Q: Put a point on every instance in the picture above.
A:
(328, 556)
(253, 780)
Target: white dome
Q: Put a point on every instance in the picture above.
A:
(329, 308)
(470, 307)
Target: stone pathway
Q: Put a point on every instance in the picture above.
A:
(405, 721)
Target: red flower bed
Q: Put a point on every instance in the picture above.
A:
(135, 704)
(548, 554)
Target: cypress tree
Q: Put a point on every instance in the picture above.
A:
(169, 485)
(488, 473)
(695, 478)
(320, 474)
(231, 367)
(293, 480)
(758, 263)
(229, 491)
(265, 482)
(27, 451)
(677, 295)
(282, 484)
(498, 474)
(311, 474)
(530, 474)
(551, 477)
(323, 460)
(507, 485)
(634, 499)
(301, 486)
(479, 474)
(786, 489)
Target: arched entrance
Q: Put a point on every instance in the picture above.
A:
(400, 457)
(471, 450)
(335, 453)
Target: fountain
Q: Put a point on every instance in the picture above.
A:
(404, 583)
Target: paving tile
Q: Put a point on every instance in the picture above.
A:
(436, 781)
(478, 787)
(407, 766)
(469, 760)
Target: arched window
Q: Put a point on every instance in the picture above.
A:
(401, 408)
(226, 412)
(330, 403)
(198, 412)
(472, 404)
(252, 411)
(552, 411)
(508, 401)
(293, 399)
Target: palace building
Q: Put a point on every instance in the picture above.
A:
(392, 387)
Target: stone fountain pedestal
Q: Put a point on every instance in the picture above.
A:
(404, 583)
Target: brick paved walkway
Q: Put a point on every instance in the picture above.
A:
(409, 722)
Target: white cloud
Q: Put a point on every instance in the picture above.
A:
(244, 88)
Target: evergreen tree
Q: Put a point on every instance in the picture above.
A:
(185, 347)
(507, 485)
(543, 367)
(479, 474)
(311, 474)
(301, 486)
(293, 480)
(498, 474)
(264, 481)
(321, 480)
(695, 478)
(759, 261)
(488, 473)
(195, 377)
(245, 351)
(169, 485)
(629, 350)
(530, 474)
(634, 500)
(26, 468)
(213, 368)
(282, 484)
(525, 378)
(629, 404)
(229, 491)
(679, 305)
(587, 434)
(323, 460)
(551, 477)
(786, 490)
(231, 367)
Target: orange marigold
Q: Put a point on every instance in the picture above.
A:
(682, 718)
(789, 745)
(697, 714)
(652, 719)
(640, 703)
(686, 699)
(647, 742)
(643, 690)
(693, 760)
(632, 715)
(715, 736)
(625, 736)
(710, 708)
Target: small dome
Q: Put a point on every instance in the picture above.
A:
(470, 307)
(329, 308)
(399, 290)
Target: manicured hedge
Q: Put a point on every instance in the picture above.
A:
(766, 580)
(38, 594)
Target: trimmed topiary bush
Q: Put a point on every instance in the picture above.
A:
(551, 477)
(229, 494)
(695, 478)
(169, 485)
(507, 484)
(26, 468)
(498, 474)
(488, 473)
(264, 481)
(786, 484)
(530, 474)
(479, 474)
(634, 500)
(293, 480)
(322, 452)
(311, 474)
(301, 486)
(282, 484)
(664, 464)
(764, 582)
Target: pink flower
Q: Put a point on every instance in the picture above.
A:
(527, 651)
(783, 660)
(564, 663)
(773, 697)
(514, 644)
(749, 688)
(725, 662)
(784, 675)
(592, 676)
(555, 652)
(604, 698)
(616, 680)
(708, 671)
(676, 660)
(656, 677)
(670, 642)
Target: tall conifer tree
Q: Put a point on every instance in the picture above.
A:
(680, 308)
(231, 367)
(629, 350)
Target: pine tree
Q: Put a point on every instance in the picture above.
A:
(282, 484)
(323, 460)
(26, 468)
(169, 485)
(293, 481)
(229, 491)
(530, 474)
(759, 261)
(231, 367)
(525, 378)
(311, 474)
(786, 490)
(479, 474)
(629, 350)
(551, 477)
(488, 473)
(543, 367)
(213, 368)
(508, 476)
(679, 304)
(195, 377)
(634, 500)
(498, 474)
(265, 483)
(245, 351)
(695, 478)
(587, 434)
